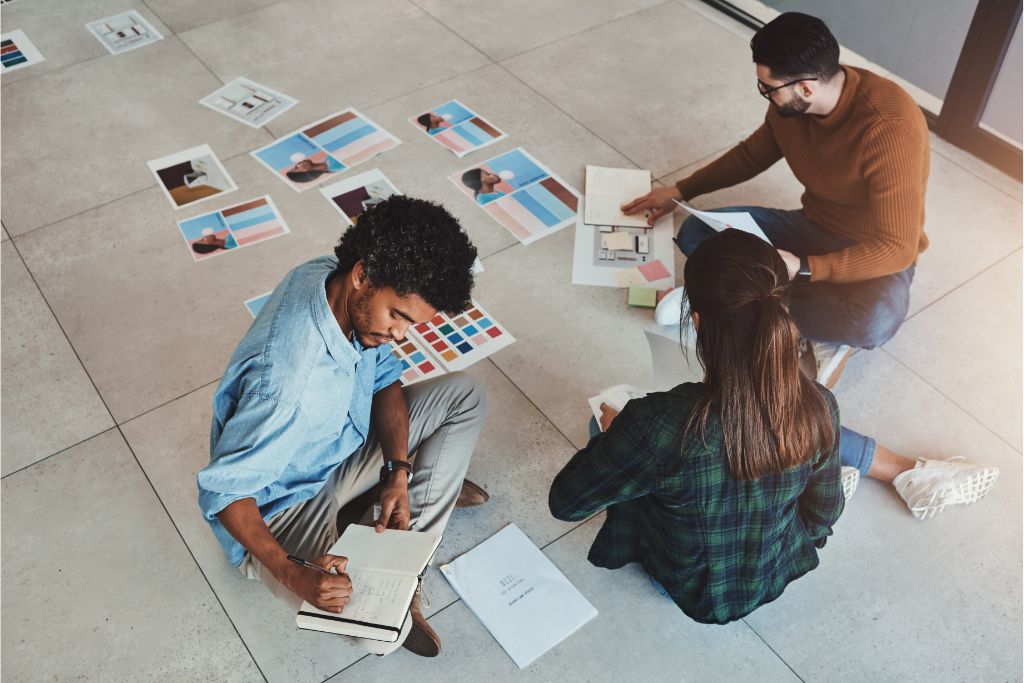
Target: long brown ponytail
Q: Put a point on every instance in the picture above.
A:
(772, 416)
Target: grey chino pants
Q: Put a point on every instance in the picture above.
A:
(446, 415)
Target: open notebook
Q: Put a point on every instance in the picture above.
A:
(608, 189)
(385, 570)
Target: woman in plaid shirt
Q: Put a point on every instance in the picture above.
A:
(724, 490)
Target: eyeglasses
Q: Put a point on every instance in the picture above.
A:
(766, 91)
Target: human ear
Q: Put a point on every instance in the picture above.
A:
(358, 275)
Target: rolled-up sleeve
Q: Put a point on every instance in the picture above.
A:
(389, 368)
(254, 447)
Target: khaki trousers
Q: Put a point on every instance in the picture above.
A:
(446, 415)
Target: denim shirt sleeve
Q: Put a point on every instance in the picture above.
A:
(389, 368)
(255, 447)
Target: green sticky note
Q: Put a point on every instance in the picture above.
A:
(643, 296)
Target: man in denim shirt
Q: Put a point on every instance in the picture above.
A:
(310, 413)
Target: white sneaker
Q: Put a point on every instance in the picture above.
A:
(670, 308)
(934, 484)
(830, 359)
(850, 476)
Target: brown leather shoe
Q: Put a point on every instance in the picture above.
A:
(471, 495)
(422, 640)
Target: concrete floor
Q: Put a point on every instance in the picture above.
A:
(114, 339)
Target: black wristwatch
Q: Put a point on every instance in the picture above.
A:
(804, 274)
(390, 466)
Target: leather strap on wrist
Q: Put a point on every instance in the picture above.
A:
(391, 466)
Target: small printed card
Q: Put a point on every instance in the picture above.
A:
(247, 101)
(123, 32)
(351, 196)
(521, 194)
(17, 51)
(255, 304)
(211, 234)
(315, 153)
(457, 127)
(191, 176)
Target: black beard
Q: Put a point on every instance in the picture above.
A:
(795, 107)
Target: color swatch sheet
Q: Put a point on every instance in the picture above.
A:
(417, 362)
(17, 51)
(458, 128)
(459, 341)
(233, 227)
(311, 155)
(521, 194)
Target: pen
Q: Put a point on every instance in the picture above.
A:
(301, 562)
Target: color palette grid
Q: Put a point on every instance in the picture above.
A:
(462, 340)
(417, 364)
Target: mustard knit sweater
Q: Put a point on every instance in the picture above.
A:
(864, 168)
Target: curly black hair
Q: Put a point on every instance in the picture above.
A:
(413, 246)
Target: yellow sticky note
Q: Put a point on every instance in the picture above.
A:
(629, 277)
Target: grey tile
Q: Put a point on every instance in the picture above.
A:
(421, 167)
(370, 52)
(655, 64)
(896, 598)
(182, 15)
(637, 635)
(101, 121)
(48, 402)
(149, 323)
(97, 583)
(973, 164)
(501, 33)
(58, 30)
(968, 346)
(516, 458)
(573, 340)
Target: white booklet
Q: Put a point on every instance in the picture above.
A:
(608, 189)
(720, 220)
(616, 397)
(385, 570)
(519, 595)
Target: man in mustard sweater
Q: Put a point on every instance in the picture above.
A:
(859, 145)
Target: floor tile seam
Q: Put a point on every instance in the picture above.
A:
(191, 554)
(569, 116)
(963, 284)
(452, 31)
(168, 402)
(59, 452)
(120, 198)
(767, 645)
(500, 251)
(67, 338)
(427, 86)
(974, 173)
(585, 30)
(706, 157)
(531, 402)
(953, 401)
(227, 18)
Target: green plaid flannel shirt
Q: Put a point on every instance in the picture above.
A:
(720, 546)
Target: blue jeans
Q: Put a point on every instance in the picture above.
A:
(855, 450)
(863, 314)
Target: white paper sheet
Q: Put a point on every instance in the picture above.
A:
(519, 595)
(720, 220)
(616, 397)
